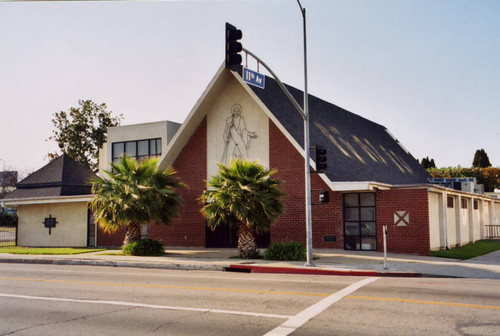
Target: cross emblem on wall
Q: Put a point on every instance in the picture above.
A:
(50, 223)
(401, 218)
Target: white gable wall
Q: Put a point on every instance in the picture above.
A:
(70, 230)
(229, 134)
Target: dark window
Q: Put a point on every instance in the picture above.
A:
(136, 149)
(476, 204)
(131, 148)
(118, 150)
(360, 226)
(464, 203)
(450, 201)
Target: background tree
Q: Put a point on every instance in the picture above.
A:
(428, 163)
(82, 131)
(243, 194)
(489, 176)
(481, 159)
(135, 193)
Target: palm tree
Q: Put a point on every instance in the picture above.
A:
(134, 193)
(244, 195)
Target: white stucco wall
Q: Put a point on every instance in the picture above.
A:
(464, 226)
(496, 214)
(452, 220)
(435, 220)
(251, 128)
(476, 220)
(465, 222)
(70, 230)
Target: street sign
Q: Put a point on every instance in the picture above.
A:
(254, 78)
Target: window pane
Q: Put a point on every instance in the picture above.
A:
(368, 214)
(352, 214)
(143, 148)
(352, 229)
(130, 148)
(118, 149)
(464, 203)
(351, 200)
(368, 229)
(351, 243)
(152, 147)
(368, 199)
(158, 146)
(369, 244)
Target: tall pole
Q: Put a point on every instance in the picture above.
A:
(3, 180)
(307, 151)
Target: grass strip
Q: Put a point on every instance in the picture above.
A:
(46, 250)
(473, 250)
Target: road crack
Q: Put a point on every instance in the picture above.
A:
(68, 320)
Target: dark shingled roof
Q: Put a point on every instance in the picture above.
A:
(357, 149)
(61, 177)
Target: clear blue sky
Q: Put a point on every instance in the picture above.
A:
(427, 70)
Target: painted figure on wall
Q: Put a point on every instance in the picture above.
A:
(237, 137)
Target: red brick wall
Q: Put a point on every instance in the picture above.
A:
(326, 219)
(414, 238)
(191, 167)
(110, 239)
(189, 229)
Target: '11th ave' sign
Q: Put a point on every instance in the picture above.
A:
(254, 78)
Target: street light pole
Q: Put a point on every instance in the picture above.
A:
(3, 180)
(306, 150)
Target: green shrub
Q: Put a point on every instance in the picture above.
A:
(286, 251)
(144, 247)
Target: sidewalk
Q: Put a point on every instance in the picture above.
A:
(327, 262)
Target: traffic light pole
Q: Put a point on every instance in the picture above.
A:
(307, 151)
(281, 85)
(305, 115)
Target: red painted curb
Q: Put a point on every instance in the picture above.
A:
(313, 271)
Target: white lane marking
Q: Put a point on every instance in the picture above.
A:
(144, 305)
(246, 276)
(301, 318)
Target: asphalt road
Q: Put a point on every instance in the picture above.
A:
(86, 300)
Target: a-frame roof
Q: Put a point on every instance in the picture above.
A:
(358, 149)
(61, 177)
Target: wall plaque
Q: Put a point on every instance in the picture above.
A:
(50, 223)
(330, 238)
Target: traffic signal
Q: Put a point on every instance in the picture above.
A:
(233, 47)
(320, 158)
(324, 197)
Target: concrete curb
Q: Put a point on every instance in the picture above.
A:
(321, 271)
(244, 268)
(171, 266)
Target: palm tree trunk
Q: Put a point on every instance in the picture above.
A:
(247, 246)
(133, 233)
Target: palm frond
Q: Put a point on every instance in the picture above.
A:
(244, 191)
(133, 191)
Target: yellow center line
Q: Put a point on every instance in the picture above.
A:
(437, 303)
(254, 291)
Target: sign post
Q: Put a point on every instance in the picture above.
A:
(384, 228)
